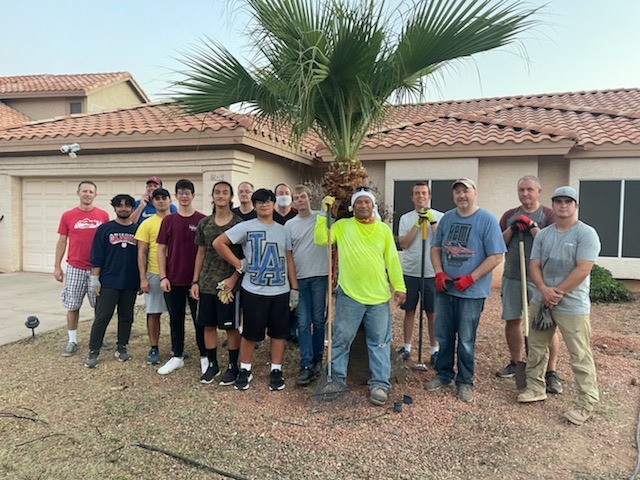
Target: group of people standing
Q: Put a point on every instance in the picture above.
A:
(261, 269)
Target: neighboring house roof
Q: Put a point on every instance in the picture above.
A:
(22, 86)
(10, 117)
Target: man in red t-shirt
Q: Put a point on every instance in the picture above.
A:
(77, 229)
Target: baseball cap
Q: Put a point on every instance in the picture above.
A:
(161, 192)
(565, 191)
(467, 182)
(157, 180)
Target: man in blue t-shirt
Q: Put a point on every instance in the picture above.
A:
(466, 247)
(144, 208)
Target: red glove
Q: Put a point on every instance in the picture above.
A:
(441, 281)
(522, 223)
(463, 282)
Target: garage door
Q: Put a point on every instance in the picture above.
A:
(44, 200)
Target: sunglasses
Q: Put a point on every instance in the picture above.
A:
(362, 189)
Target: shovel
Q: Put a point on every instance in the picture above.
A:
(420, 365)
(521, 367)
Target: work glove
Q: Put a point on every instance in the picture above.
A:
(294, 299)
(425, 214)
(244, 264)
(441, 281)
(463, 282)
(94, 285)
(543, 319)
(522, 223)
(224, 297)
(327, 203)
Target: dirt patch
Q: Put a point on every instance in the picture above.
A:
(61, 420)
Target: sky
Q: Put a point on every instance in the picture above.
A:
(578, 45)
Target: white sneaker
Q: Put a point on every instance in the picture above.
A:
(204, 364)
(174, 363)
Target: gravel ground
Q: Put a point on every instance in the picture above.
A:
(61, 420)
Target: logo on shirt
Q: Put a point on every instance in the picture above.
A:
(87, 224)
(123, 239)
(455, 246)
(266, 267)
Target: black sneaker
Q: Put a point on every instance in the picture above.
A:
(276, 380)
(229, 377)
(317, 368)
(434, 358)
(121, 353)
(244, 379)
(404, 354)
(153, 358)
(305, 376)
(508, 371)
(553, 382)
(92, 359)
(212, 371)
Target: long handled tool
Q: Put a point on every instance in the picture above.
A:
(521, 376)
(420, 365)
(329, 388)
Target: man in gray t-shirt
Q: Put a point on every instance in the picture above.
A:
(312, 270)
(561, 260)
(524, 221)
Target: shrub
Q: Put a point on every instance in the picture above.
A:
(606, 289)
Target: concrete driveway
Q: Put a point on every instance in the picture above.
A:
(24, 294)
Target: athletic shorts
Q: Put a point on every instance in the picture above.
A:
(76, 286)
(413, 292)
(511, 292)
(213, 313)
(154, 300)
(261, 312)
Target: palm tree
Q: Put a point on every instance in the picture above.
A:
(330, 67)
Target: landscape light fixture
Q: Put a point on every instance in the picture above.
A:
(32, 323)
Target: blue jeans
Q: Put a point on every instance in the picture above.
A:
(377, 326)
(310, 313)
(457, 316)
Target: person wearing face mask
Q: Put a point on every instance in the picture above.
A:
(283, 210)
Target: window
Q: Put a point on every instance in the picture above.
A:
(75, 107)
(607, 206)
(441, 197)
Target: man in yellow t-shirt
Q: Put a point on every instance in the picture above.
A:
(367, 262)
(146, 235)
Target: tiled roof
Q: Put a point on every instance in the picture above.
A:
(588, 118)
(155, 118)
(10, 117)
(81, 83)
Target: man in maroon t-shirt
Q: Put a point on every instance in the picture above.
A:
(529, 218)
(177, 251)
(77, 229)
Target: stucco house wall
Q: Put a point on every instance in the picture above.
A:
(113, 96)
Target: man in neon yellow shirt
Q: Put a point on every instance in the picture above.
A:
(367, 262)
(146, 235)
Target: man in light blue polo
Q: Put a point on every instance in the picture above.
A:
(465, 249)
